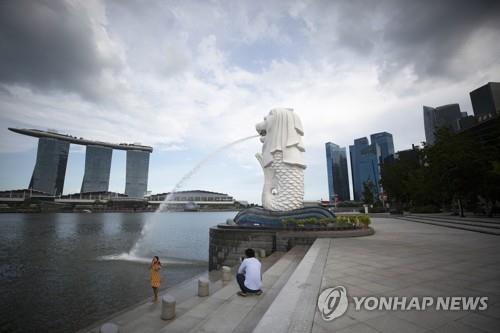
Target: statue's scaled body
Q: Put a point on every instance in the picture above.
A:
(282, 160)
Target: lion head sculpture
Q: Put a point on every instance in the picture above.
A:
(282, 160)
(282, 131)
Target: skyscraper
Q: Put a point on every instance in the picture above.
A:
(442, 116)
(486, 99)
(355, 156)
(50, 167)
(97, 169)
(338, 178)
(136, 182)
(385, 143)
(366, 159)
(53, 148)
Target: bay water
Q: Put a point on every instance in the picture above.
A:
(62, 272)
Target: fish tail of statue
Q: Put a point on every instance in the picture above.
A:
(289, 193)
(282, 160)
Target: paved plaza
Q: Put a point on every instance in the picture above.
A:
(402, 258)
(412, 259)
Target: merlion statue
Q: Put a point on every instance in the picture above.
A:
(282, 160)
(283, 164)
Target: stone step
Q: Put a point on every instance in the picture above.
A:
(145, 317)
(473, 218)
(225, 311)
(475, 223)
(485, 230)
(294, 308)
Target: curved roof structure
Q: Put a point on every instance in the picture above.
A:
(79, 141)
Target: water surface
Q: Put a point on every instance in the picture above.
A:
(62, 272)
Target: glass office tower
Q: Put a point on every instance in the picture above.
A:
(50, 168)
(338, 178)
(136, 182)
(97, 169)
(385, 143)
(366, 159)
(355, 155)
(443, 116)
(368, 165)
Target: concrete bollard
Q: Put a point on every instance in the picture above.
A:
(226, 273)
(262, 253)
(109, 328)
(167, 307)
(203, 290)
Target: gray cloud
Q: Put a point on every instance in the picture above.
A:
(428, 35)
(51, 45)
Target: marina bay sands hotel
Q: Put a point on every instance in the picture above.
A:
(52, 157)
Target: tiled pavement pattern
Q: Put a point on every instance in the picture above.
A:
(412, 259)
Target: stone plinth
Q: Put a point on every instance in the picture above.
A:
(257, 216)
(167, 307)
(226, 274)
(203, 287)
(229, 242)
(109, 328)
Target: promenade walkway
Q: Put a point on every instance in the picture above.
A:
(403, 259)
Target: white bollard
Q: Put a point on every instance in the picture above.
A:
(109, 328)
(167, 307)
(262, 253)
(226, 273)
(203, 290)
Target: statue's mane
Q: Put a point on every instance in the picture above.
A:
(284, 133)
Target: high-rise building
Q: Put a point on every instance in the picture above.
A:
(442, 116)
(97, 169)
(369, 171)
(136, 183)
(53, 148)
(355, 156)
(486, 99)
(385, 143)
(366, 159)
(50, 168)
(338, 178)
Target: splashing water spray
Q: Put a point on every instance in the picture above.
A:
(133, 253)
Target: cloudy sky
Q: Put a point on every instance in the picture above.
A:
(189, 76)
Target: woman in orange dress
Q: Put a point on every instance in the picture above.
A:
(154, 276)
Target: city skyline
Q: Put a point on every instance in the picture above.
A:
(195, 76)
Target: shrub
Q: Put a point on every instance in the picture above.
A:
(310, 221)
(364, 220)
(342, 220)
(353, 220)
(326, 220)
(288, 221)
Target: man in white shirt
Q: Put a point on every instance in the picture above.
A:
(249, 276)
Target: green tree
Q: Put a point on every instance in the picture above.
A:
(397, 178)
(369, 192)
(456, 167)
